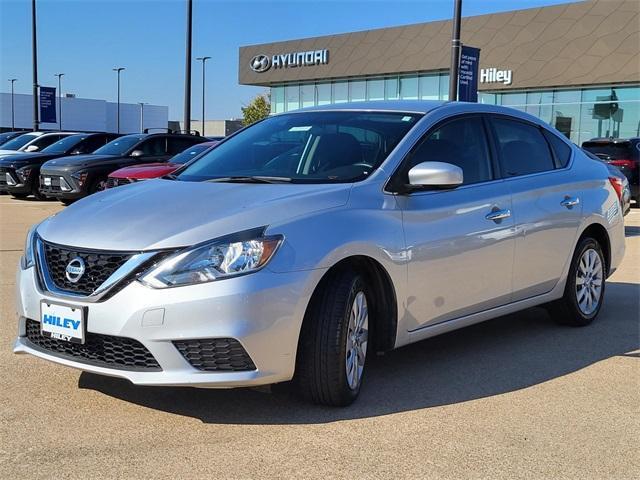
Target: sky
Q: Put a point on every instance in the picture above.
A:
(85, 39)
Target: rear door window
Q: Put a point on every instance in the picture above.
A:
(154, 147)
(523, 149)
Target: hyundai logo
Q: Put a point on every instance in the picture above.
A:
(260, 63)
(75, 269)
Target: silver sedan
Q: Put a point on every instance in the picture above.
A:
(302, 245)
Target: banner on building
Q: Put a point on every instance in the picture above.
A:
(468, 74)
(48, 105)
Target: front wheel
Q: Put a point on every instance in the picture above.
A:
(334, 341)
(584, 291)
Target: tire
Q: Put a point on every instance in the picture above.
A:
(326, 341)
(36, 194)
(98, 185)
(573, 308)
(19, 196)
(66, 202)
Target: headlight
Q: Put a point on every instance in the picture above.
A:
(80, 176)
(238, 254)
(23, 173)
(28, 258)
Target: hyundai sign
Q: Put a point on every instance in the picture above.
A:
(262, 63)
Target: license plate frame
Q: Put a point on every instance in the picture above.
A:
(64, 316)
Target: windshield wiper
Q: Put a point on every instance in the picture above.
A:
(251, 179)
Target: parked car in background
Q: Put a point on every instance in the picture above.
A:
(215, 138)
(21, 172)
(619, 182)
(6, 136)
(28, 143)
(146, 171)
(74, 177)
(308, 242)
(31, 142)
(624, 153)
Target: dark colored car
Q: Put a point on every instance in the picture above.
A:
(624, 153)
(22, 171)
(146, 171)
(6, 136)
(74, 177)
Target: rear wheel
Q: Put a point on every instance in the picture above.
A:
(334, 341)
(66, 201)
(20, 196)
(584, 291)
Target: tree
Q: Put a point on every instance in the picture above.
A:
(258, 108)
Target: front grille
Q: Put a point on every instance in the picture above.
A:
(117, 182)
(99, 266)
(100, 350)
(215, 354)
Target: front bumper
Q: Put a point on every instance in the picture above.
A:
(263, 311)
(60, 186)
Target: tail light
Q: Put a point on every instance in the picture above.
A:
(618, 186)
(623, 163)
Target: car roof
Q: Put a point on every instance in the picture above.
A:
(415, 106)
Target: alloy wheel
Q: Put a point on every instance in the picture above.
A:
(357, 337)
(589, 278)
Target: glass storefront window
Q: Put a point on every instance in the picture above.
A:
(429, 86)
(340, 92)
(277, 100)
(293, 97)
(566, 113)
(444, 86)
(409, 88)
(308, 95)
(487, 98)
(375, 89)
(391, 88)
(323, 90)
(357, 90)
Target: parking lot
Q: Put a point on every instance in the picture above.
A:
(515, 397)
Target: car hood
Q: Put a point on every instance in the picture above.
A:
(165, 213)
(73, 162)
(146, 170)
(21, 160)
(4, 153)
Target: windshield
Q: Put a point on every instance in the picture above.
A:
(609, 151)
(119, 146)
(189, 154)
(18, 142)
(316, 147)
(64, 145)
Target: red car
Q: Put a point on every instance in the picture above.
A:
(146, 171)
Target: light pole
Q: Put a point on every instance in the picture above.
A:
(455, 52)
(13, 119)
(142, 104)
(187, 69)
(118, 70)
(59, 75)
(34, 61)
(203, 60)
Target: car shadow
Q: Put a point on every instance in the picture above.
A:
(499, 356)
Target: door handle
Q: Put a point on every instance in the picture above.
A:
(497, 215)
(570, 202)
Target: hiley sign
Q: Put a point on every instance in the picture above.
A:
(493, 75)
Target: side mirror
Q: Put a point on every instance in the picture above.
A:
(32, 148)
(435, 175)
(137, 153)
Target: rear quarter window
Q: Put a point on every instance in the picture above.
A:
(561, 150)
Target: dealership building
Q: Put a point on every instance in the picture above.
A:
(83, 114)
(575, 65)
